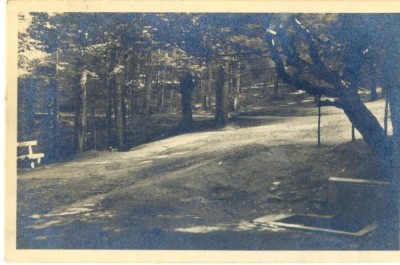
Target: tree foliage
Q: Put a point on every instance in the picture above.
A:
(126, 66)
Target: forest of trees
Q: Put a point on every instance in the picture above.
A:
(103, 76)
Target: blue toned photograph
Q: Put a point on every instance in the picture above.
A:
(208, 131)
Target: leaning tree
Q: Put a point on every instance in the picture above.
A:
(326, 58)
(328, 61)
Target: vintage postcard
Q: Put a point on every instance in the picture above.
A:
(202, 131)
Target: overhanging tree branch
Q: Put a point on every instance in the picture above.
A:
(317, 67)
(295, 81)
(305, 33)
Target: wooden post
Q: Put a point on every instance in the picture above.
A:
(385, 120)
(319, 120)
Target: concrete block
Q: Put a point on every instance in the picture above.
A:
(358, 200)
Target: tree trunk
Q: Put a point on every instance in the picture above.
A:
(394, 102)
(346, 90)
(81, 115)
(115, 103)
(391, 83)
(221, 89)
(276, 87)
(54, 85)
(186, 87)
(30, 98)
(82, 137)
(231, 91)
(147, 97)
(109, 112)
(209, 87)
(135, 87)
(147, 94)
(203, 89)
(363, 120)
(373, 95)
(123, 104)
(236, 102)
(366, 123)
(54, 118)
(132, 103)
(161, 101)
(119, 111)
(203, 93)
(93, 117)
(172, 99)
(26, 104)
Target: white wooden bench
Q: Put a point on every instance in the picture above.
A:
(30, 156)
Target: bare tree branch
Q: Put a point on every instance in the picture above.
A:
(295, 81)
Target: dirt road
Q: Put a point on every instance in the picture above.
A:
(201, 190)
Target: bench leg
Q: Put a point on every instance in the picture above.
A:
(33, 164)
(39, 160)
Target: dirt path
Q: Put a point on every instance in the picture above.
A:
(204, 190)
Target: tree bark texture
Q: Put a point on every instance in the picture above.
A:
(161, 102)
(119, 97)
(109, 112)
(236, 102)
(186, 87)
(30, 107)
(54, 118)
(221, 92)
(148, 86)
(81, 114)
(209, 86)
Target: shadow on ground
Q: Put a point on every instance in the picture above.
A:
(203, 190)
(82, 235)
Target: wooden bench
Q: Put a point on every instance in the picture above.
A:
(30, 156)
